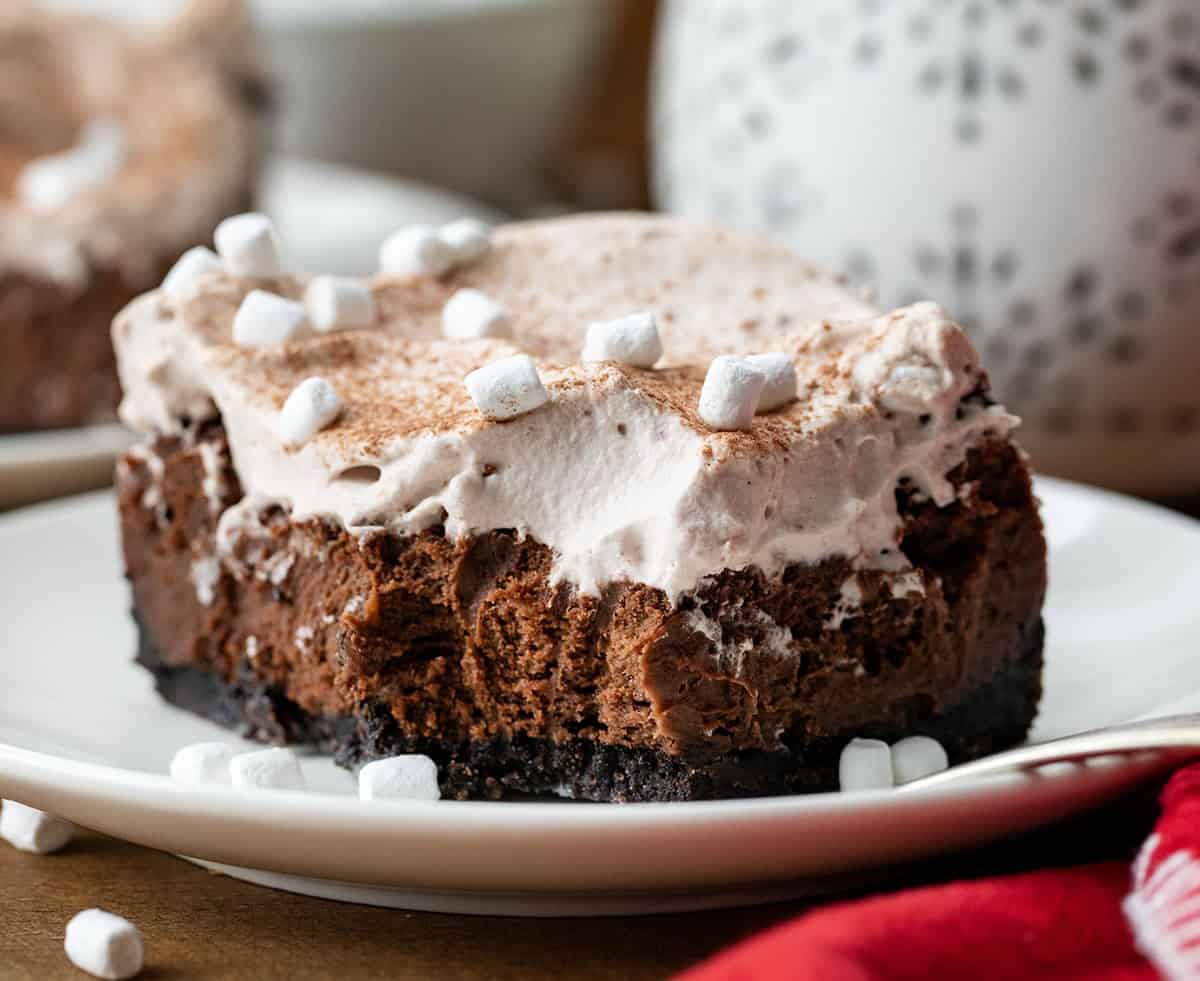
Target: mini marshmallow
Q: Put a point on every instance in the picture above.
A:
(865, 764)
(264, 320)
(267, 769)
(472, 313)
(506, 388)
(780, 372)
(104, 945)
(413, 777)
(313, 405)
(248, 246)
(729, 397)
(49, 182)
(193, 264)
(468, 239)
(416, 250)
(31, 830)
(202, 763)
(631, 340)
(339, 303)
(916, 757)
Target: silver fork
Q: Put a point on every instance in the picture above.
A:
(1175, 733)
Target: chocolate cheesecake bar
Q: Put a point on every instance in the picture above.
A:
(120, 147)
(606, 595)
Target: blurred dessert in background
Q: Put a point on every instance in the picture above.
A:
(119, 149)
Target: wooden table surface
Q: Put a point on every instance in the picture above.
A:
(201, 925)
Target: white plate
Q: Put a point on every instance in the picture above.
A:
(83, 735)
(331, 219)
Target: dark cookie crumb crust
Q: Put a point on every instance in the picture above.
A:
(993, 718)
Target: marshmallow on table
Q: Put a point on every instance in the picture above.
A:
(267, 769)
(313, 405)
(202, 763)
(729, 397)
(248, 246)
(192, 265)
(472, 313)
(105, 945)
(413, 777)
(51, 182)
(631, 340)
(31, 830)
(916, 757)
(339, 303)
(780, 372)
(865, 764)
(416, 250)
(467, 239)
(507, 388)
(264, 320)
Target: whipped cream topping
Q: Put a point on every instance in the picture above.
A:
(615, 473)
(191, 138)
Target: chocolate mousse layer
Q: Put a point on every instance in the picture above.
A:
(467, 650)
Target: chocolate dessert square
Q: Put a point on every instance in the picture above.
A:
(578, 576)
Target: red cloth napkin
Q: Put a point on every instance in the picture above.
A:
(1105, 922)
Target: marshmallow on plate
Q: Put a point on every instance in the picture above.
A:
(267, 769)
(415, 250)
(471, 313)
(729, 397)
(339, 303)
(264, 320)
(631, 340)
(51, 182)
(780, 372)
(410, 777)
(313, 405)
(193, 264)
(30, 830)
(916, 757)
(248, 246)
(104, 945)
(865, 764)
(468, 239)
(507, 388)
(202, 763)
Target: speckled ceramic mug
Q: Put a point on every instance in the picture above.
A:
(1034, 165)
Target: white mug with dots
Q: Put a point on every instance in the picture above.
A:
(1033, 165)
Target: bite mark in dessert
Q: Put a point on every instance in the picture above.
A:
(597, 593)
